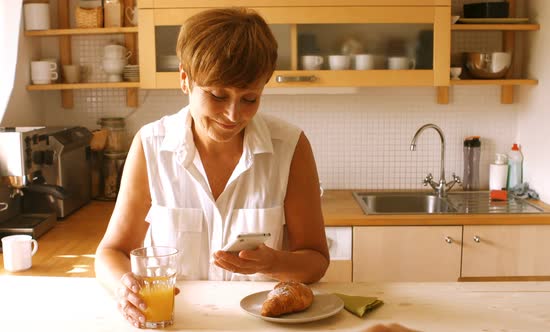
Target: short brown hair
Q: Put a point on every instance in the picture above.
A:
(227, 47)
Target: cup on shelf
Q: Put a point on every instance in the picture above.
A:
(311, 62)
(114, 51)
(37, 16)
(339, 62)
(43, 72)
(56, 62)
(114, 68)
(71, 73)
(401, 63)
(455, 73)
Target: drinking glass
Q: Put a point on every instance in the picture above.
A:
(156, 268)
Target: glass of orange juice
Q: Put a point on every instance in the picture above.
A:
(156, 268)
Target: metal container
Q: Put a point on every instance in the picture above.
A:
(488, 65)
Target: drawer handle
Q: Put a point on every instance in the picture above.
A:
(448, 239)
(286, 79)
(3, 206)
(477, 239)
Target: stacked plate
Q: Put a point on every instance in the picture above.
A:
(131, 73)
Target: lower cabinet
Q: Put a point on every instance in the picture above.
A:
(339, 246)
(506, 251)
(406, 253)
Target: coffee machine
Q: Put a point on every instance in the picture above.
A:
(19, 176)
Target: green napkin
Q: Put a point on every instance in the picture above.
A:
(359, 305)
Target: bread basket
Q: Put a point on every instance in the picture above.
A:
(89, 17)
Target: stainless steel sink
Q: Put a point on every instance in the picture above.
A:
(459, 202)
(402, 203)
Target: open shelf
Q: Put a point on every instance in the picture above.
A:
(495, 27)
(495, 82)
(90, 31)
(78, 86)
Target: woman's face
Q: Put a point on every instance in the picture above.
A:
(221, 113)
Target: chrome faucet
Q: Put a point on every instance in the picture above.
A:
(442, 187)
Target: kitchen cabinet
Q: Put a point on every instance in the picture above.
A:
(396, 22)
(331, 22)
(64, 34)
(339, 246)
(406, 253)
(506, 251)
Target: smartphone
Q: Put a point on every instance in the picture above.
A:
(246, 241)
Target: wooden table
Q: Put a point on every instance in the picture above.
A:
(80, 304)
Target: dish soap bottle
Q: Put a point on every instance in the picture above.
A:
(515, 161)
(498, 173)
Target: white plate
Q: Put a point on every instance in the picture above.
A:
(323, 306)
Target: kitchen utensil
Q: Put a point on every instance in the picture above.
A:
(488, 65)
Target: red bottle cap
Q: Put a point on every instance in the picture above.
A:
(515, 147)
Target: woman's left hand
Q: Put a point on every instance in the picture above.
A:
(259, 260)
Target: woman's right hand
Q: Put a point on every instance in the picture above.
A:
(130, 304)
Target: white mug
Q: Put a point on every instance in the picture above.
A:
(115, 51)
(401, 63)
(132, 15)
(37, 16)
(338, 62)
(18, 251)
(43, 72)
(312, 62)
(369, 61)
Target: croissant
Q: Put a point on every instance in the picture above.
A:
(287, 297)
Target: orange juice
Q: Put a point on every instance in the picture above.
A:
(158, 293)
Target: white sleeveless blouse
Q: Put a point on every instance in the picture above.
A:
(184, 213)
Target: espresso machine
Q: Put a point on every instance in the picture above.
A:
(30, 159)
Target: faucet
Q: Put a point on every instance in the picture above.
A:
(442, 187)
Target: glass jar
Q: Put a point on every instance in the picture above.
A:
(116, 134)
(113, 164)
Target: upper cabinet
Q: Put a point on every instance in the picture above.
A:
(400, 42)
(397, 38)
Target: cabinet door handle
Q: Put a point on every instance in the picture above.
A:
(286, 79)
(448, 239)
(477, 239)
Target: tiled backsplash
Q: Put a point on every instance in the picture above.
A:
(360, 140)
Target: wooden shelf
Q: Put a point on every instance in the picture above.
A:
(78, 86)
(90, 31)
(495, 82)
(495, 27)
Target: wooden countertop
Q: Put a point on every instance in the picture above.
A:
(341, 209)
(79, 304)
(68, 249)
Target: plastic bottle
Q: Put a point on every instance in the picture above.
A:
(515, 163)
(472, 148)
(498, 172)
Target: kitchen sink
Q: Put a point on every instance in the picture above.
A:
(402, 203)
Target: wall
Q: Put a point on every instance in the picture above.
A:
(360, 140)
(534, 110)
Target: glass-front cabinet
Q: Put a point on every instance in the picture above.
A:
(321, 43)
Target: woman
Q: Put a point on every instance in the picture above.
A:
(196, 179)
